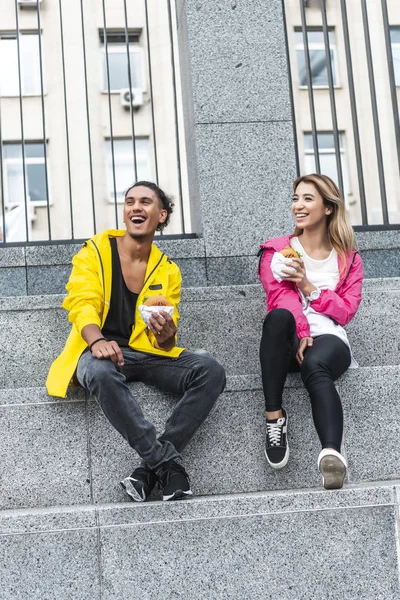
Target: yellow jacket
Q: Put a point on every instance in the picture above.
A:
(88, 302)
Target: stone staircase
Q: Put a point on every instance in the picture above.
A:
(68, 531)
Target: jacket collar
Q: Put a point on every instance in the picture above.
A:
(101, 240)
(280, 243)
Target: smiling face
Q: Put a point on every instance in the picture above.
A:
(143, 212)
(308, 207)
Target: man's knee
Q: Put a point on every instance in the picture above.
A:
(93, 372)
(212, 370)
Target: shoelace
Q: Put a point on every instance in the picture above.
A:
(274, 432)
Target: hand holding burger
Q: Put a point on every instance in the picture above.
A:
(296, 272)
(160, 321)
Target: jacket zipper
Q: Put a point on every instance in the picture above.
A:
(102, 269)
(151, 273)
(347, 274)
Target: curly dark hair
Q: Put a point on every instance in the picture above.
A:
(165, 200)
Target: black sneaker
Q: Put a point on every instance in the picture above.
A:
(174, 481)
(139, 485)
(276, 445)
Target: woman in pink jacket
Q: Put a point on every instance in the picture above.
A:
(309, 300)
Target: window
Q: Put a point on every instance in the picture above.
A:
(327, 157)
(124, 165)
(316, 45)
(395, 40)
(30, 64)
(35, 173)
(118, 61)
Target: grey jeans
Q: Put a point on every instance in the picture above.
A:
(197, 377)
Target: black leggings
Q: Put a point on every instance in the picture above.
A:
(324, 361)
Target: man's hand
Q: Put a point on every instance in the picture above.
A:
(304, 343)
(164, 329)
(109, 350)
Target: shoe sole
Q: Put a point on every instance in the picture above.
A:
(178, 495)
(131, 491)
(283, 462)
(333, 472)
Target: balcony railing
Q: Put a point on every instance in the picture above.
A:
(90, 102)
(344, 62)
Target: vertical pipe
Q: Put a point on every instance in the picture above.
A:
(295, 140)
(66, 120)
(87, 117)
(178, 153)
(110, 113)
(130, 88)
(332, 94)
(43, 118)
(309, 85)
(392, 82)
(354, 117)
(151, 90)
(374, 106)
(21, 122)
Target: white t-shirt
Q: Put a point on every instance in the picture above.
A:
(324, 274)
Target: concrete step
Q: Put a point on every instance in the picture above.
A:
(226, 321)
(288, 545)
(36, 269)
(66, 452)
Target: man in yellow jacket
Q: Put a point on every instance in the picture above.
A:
(110, 344)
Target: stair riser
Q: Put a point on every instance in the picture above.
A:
(68, 453)
(229, 330)
(330, 544)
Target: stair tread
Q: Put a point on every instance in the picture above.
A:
(224, 506)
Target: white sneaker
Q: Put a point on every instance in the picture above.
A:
(333, 467)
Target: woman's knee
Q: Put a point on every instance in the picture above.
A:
(279, 319)
(311, 366)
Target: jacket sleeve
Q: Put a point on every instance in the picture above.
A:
(282, 295)
(173, 296)
(341, 306)
(85, 299)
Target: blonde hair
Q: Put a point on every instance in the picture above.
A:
(340, 232)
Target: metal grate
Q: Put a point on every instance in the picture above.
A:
(95, 93)
(345, 88)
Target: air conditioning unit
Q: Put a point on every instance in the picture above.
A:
(133, 97)
(30, 3)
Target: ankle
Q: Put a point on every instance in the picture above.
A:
(272, 415)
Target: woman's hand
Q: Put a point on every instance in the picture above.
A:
(304, 343)
(163, 327)
(299, 276)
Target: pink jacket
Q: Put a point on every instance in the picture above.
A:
(340, 304)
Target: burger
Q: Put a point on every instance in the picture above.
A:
(289, 252)
(156, 301)
(155, 304)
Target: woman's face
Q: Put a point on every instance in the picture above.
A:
(308, 207)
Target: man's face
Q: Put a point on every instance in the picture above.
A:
(142, 212)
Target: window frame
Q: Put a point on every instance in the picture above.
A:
(318, 46)
(114, 48)
(110, 185)
(28, 161)
(394, 45)
(331, 151)
(12, 35)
